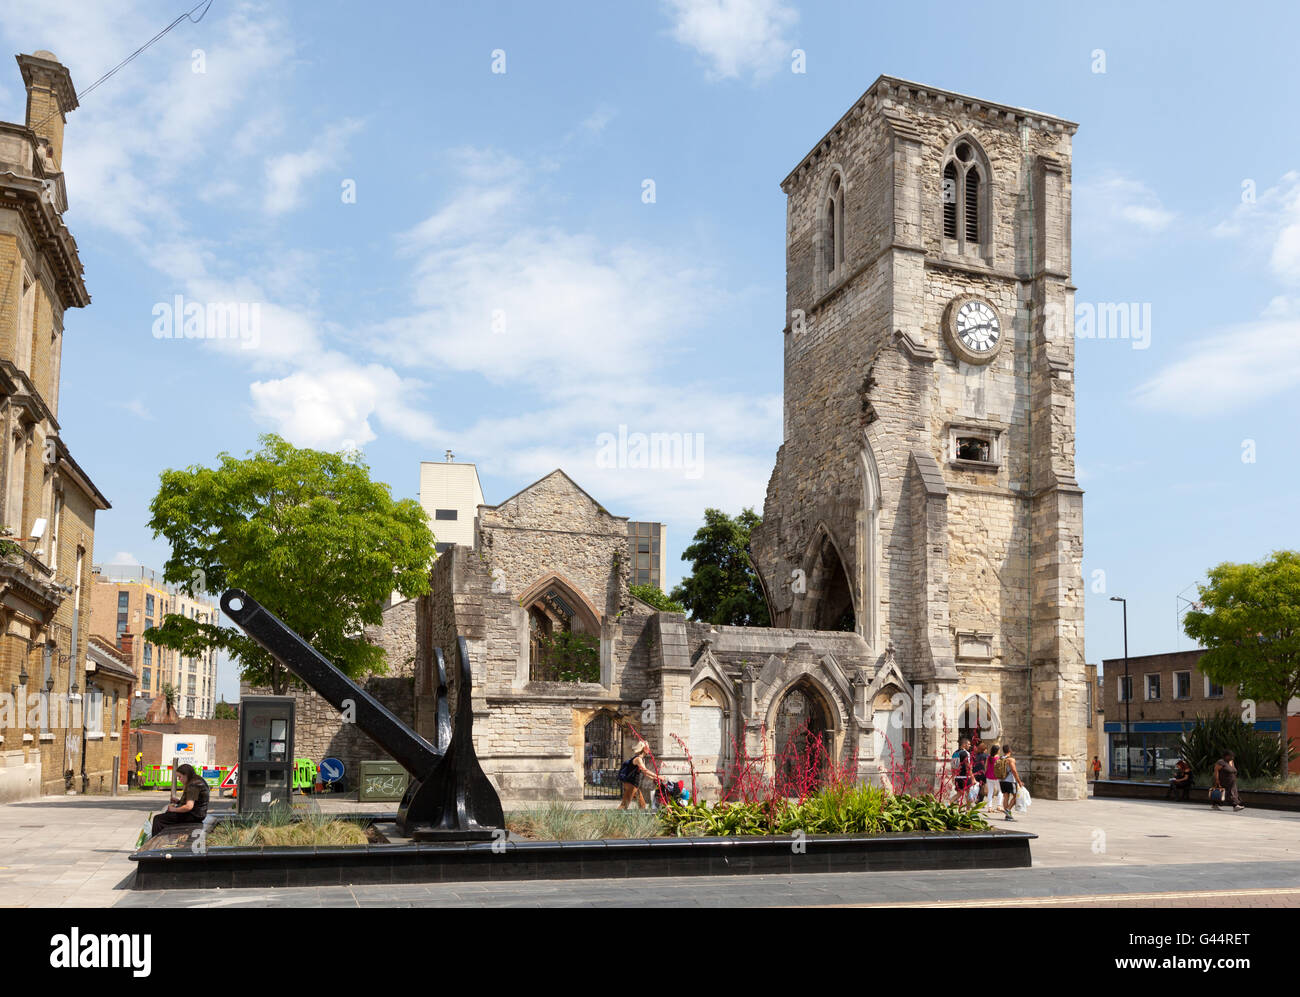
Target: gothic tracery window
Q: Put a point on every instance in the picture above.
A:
(965, 189)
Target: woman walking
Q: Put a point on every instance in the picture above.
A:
(989, 790)
(1008, 779)
(630, 776)
(1225, 778)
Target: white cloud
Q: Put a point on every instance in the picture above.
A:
(123, 557)
(1120, 205)
(333, 404)
(287, 173)
(1270, 219)
(515, 300)
(735, 37)
(1234, 367)
(137, 408)
(1254, 361)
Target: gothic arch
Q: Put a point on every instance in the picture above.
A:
(838, 709)
(977, 713)
(830, 602)
(829, 720)
(707, 669)
(831, 231)
(966, 176)
(584, 610)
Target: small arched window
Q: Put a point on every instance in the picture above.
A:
(965, 189)
(831, 250)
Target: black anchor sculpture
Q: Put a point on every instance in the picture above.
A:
(448, 798)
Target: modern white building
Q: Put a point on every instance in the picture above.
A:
(450, 493)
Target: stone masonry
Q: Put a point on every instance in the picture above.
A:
(970, 569)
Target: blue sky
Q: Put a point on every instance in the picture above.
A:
(500, 286)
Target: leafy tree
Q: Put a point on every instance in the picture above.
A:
(224, 711)
(571, 657)
(1248, 619)
(723, 586)
(654, 596)
(169, 697)
(307, 534)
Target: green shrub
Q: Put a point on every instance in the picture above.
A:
(1255, 752)
(653, 595)
(845, 810)
(570, 657)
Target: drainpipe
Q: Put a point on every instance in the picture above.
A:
(85, 698)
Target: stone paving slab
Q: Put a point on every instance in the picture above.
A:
(73, 851)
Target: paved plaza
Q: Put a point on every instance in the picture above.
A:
(72, 852)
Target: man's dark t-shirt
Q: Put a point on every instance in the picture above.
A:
(197, 790)
(962, 758)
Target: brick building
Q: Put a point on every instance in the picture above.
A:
(106, 716)
(128, 599)
(49, 501)
(1164, 694)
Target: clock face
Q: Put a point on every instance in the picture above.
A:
(977, 326)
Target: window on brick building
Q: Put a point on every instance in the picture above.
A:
(1153, 687)
(1182, 685)
(1125, 688)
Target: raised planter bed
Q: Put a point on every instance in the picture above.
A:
(483, 861)
(1260, 799)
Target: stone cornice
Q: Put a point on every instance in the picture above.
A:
(23, 393)
(887, 89)
(55, 76)
(74, 472)
(26, 196)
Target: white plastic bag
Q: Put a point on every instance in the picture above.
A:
(973, 793)
(1022, 799)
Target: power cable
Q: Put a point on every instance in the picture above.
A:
(205, 4)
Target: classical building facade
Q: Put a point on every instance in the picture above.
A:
(924, 495)
(49, 501)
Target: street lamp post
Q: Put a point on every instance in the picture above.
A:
(1128, 697)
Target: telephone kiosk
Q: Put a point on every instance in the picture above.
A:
(265, 752)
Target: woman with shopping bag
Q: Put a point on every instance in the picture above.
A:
(1010, 783)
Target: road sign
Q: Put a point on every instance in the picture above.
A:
(331, 770)
(231, 781)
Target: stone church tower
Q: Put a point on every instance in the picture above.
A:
(924, 495)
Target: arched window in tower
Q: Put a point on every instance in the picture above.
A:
(965, 190)
(832, 223)
(950, 201)
(830, 236)
(972, 206)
